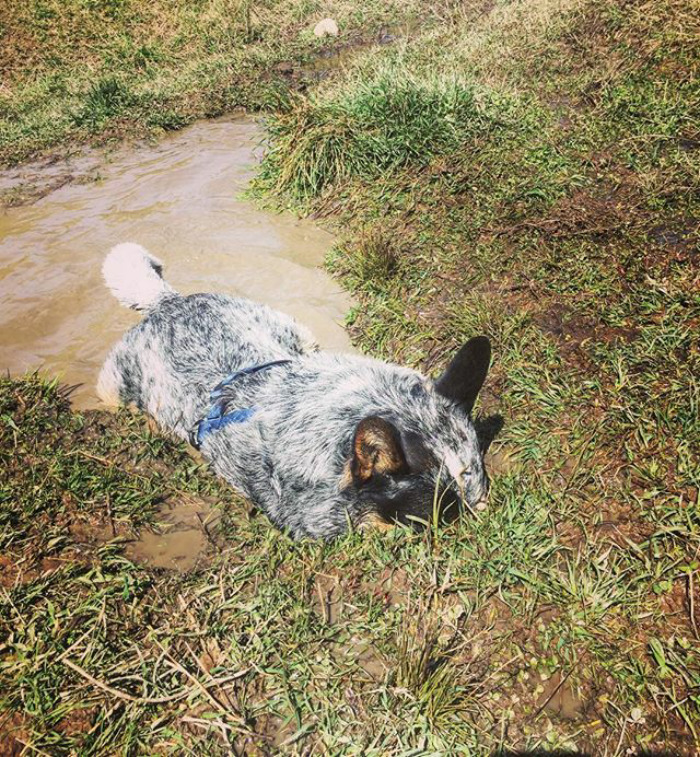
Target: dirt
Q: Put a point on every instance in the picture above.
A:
(8, 571)
(561, 699)
(13, 736)
(392, 588)
(180, 540)
(78, 721)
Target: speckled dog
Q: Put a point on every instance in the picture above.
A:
(321, 442)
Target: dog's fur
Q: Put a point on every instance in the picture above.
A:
(336, 440)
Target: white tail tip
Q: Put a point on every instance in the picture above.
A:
(134, 276)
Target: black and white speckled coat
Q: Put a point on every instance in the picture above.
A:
(330, 440)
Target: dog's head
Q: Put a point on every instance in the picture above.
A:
(420, 457)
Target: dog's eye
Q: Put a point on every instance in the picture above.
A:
(466, 473)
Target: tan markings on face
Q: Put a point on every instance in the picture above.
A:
(373, 521)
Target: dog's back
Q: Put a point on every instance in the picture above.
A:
(185, 344)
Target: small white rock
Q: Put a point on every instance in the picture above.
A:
(326, 27)
(637, 716)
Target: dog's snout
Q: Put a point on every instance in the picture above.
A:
(476, 493)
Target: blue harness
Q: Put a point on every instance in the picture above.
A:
(216, 418)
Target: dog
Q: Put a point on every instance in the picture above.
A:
(321, 442)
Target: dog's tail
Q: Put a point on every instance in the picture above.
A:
(135, 277)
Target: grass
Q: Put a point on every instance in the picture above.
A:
(369, 645)
(381, 124)
(528, 170)
(100, 70)
(531, 171)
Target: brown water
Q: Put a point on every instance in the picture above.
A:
(181, 200)
(180, 540)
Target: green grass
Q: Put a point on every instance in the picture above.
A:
(531, 171)
(381, 124)
(79, 70)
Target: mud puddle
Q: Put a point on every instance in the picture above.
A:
(180, 539)
(181, 200)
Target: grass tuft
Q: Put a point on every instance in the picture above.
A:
(373, 258)
(106, 99)
(374, 126)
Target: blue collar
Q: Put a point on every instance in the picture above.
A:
(215, 418)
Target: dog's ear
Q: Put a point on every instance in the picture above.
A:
(376, 449)
(465, 375)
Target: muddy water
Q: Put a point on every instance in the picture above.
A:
(180, 538)
(181, 200)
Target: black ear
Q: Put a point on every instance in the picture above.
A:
(465, 375)
(376, 448)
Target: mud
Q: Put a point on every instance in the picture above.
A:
(332, 59)
(182, 200)
(180, 540)
(561, 699)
